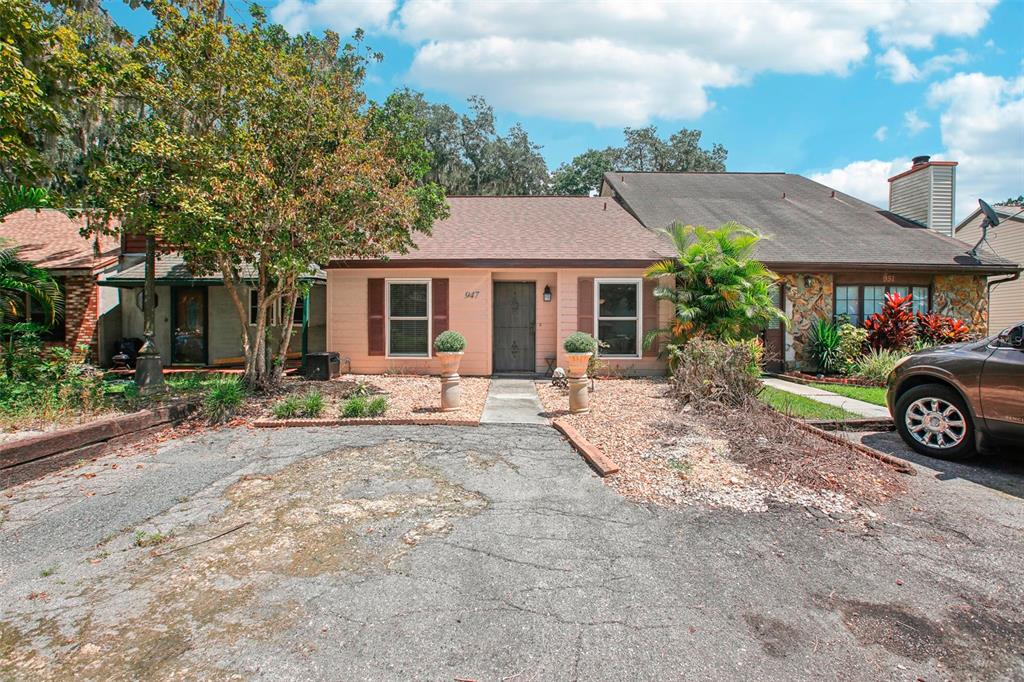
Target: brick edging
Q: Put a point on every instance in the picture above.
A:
(599, 461)
(900, 465)
(805, 379)
(284, 423)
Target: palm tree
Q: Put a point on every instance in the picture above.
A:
(719, 289)
(16, 197)
(20, 281)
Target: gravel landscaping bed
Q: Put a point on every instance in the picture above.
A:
(748, 460)
(408, 397)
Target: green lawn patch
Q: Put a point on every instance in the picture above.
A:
(800, 406)
(869, 394)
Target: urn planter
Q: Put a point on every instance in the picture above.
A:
(577, 364)
(451, 393)
(579, 390)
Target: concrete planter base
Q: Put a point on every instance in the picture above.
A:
(451, 392)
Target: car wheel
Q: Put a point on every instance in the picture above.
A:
(934, 420)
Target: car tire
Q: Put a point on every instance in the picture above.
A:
(926, 404)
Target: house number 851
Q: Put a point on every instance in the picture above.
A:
(472, 294)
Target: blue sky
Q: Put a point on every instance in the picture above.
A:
(845, 92)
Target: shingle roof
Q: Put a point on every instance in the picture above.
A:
(51, 240)
(806, 223)
(492, 230)
(170, 267)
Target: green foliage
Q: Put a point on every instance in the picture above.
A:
(17, 197)
(223, 398)
(579, 342)
(852, 341)
(450, 342)
(716, 288)
(467, 155)
(643, 150)
(39, 383)
(189, 382)
(149, 539)
(824, 344)
(361, 406)
(287, 408)
(800, 406)
(20, 279)
(875, 365)
(312, 404)
(712, 371)
(869, 394)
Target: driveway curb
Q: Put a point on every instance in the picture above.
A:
(599, 461)
(900, 465)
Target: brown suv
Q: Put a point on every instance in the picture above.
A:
(952, 401)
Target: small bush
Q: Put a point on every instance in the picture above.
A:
(580, 342)
(934, 329)
(360, 406)
(852, 341)
(287, 408)
(450, 342)
(312, 404)
(875, 365)
(716, 372)
(223, 398)
(893, 328)
(824, 342)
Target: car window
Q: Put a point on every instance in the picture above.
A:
(1011, 338)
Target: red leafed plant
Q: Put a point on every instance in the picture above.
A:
(893, 328)
(938, 329)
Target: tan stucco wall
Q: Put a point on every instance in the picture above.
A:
(470, 313)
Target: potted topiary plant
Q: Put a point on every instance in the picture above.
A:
(449, 347)
(579, 347)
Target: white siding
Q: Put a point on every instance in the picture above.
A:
(943, 192)
(1006, 303)
(926, 196)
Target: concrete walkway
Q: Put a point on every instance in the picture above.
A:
(513, 400)
(858, 407)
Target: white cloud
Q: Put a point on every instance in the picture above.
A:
(881, 133)
(343, 16)
(614, 62)
(982, 127)
(914, 123)
(866, 180)
(897, 66)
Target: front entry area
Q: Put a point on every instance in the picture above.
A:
(189, 326)
(515, 327)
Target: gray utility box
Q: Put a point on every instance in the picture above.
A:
(323, 366)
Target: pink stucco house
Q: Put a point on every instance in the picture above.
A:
(516, 275)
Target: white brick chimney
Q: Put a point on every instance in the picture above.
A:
(926, 194)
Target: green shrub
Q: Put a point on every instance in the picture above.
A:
(709, 371)
(852, 341)
(312, 404)
(824, 345)
(360, 406)
(579, 342)
(450, 342)
(223, 398)
(287, 408)
(875, 365)
(187, 382)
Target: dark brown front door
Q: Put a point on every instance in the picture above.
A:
(774, 339)
(515, 324)
(188, 326)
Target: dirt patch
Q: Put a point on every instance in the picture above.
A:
(348, 511)
(963, 637)
(743, 459)
(778, 639)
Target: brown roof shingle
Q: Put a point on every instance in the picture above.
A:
(520, 230)
(51, 240)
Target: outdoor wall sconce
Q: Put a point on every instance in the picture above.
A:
(547, 293)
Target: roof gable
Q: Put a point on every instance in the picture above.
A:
(52, 240)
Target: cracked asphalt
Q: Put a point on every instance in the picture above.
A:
(488, 553)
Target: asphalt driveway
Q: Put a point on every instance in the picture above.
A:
(485, 553)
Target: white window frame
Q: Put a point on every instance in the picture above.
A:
(387, 318)
(275, 310)
(639, 282)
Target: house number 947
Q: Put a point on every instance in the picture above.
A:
(472, 294)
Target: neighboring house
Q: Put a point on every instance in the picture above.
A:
(837, 255)
(197, 323)
(52, 241)
(515, 275)
(1006, 299)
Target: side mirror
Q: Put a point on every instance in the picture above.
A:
(1014, 337)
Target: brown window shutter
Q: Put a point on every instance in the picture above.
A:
(650, 321)
(585, 305)
(375, 316)
(439, 305)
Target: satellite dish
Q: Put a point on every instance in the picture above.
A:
(991, 220)
(990, 214)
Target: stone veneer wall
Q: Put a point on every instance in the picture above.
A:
(809, 296)
(964, 297)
